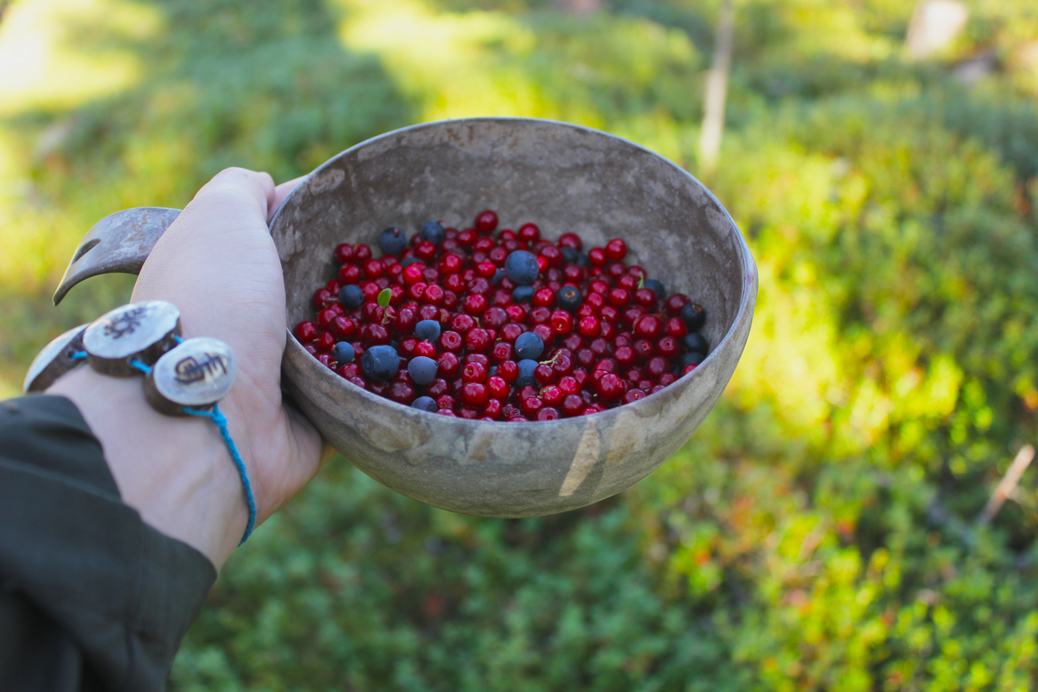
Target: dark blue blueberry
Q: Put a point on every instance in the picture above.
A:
(425, 403)
(521, 267)
(569, 298)
(422, 370)
(691, 359)
(392, 241)
(656, 287)
(582, 260)
(433, 232)
(529, 345)
(570, 255)
(496, 278)
(522, 294)
(343, 353)
(694, 316)
(427, 330)
(526, 368)
(697, 343)
(351, 297)
(408, 260)
(380, 362)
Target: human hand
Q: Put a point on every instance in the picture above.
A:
(218, 264)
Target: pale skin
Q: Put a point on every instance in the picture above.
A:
(217, 263)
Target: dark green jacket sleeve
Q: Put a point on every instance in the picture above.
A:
(91, 598)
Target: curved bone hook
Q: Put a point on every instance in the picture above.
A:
(118, 243)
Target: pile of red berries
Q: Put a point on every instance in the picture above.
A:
(607, 335)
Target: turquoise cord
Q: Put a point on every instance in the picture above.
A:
(221, 424)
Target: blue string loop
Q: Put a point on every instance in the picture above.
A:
(221, 423)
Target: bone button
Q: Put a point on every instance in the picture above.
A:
(140, 331)
(55, 360)
(196, 374)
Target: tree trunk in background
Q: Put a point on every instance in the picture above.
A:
(717, 90)
(578, 6)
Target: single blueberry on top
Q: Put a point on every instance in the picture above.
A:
(522, 294)
(656, 287)
(697, 343)
(427, 330)
(529, 345)
(433, 232)
(521, 267)
(380, 362)
(526, 368)
(693, 315)
(425, 403)
(351, 297)
(422, 370)
(343, 352)
(392, 241)
(569, 298)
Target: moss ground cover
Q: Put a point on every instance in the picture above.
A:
(816, 534)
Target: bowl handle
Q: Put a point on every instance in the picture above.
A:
(118, 243)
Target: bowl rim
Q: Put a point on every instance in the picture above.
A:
(747, 266)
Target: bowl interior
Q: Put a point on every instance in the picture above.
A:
(563, 178)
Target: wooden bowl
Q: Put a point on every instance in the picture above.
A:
(563, 178)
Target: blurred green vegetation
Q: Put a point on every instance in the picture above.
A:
(818, 531)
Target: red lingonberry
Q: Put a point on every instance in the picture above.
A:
(324, 341)
(668, 347)
(343, 253)
(509, 370)
(412, 274)
(648, 327)
(632, 396)
(589, 327)
(547, 413)
(675, 302)
(478, 340)
(498, 387)
(616, 249)
(608, 313)
(321, 298)
(305, 331)
(451, 341)
(644, 350)
(561, 322)
(571, 240)
(492, 410)
(597, 257)
(572, 405)
(342, 327)
(676, 328)
(568, 385)
(553, 255)
(552, 395)
(628, 281)
(656, 368)
(609, 387)
(448, 365)
(474, 372)
(486, 221)
(531, 405)
(529, 233)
